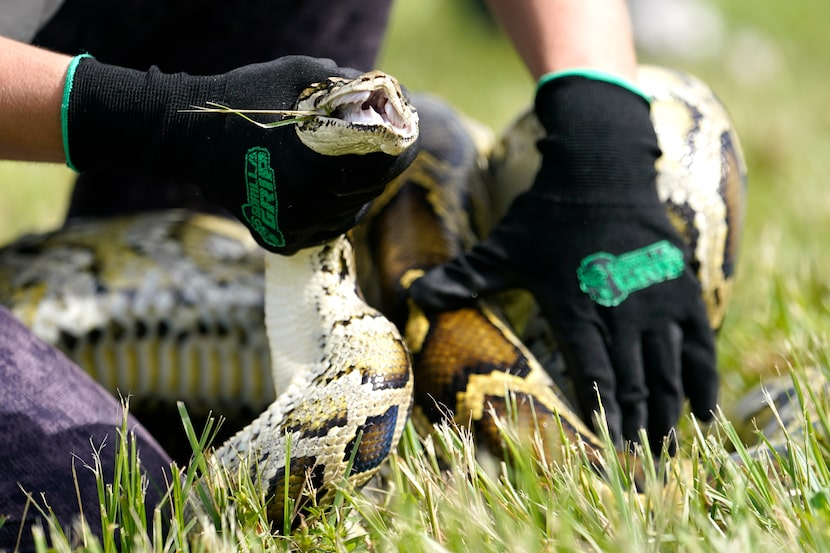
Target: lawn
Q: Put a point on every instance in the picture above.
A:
(768, 64)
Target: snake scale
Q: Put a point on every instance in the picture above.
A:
(169, 305)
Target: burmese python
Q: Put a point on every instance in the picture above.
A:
(169, 304)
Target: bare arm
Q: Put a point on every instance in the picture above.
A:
(553, 35)
(31, 90)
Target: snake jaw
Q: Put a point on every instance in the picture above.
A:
(358, 116)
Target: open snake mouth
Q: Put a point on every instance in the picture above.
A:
(362, 115)
(371, 108)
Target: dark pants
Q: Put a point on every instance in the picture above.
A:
(51, 413)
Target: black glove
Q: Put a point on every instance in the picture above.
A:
(288, 195)
(592, 242)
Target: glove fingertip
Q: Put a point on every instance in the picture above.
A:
(705, 416)
(703, 399)
(700, 373)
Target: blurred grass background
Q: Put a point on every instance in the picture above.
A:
(767, 60)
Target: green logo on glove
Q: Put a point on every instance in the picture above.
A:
(609, 279)
(261, 210)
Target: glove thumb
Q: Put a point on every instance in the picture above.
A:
(461, 281)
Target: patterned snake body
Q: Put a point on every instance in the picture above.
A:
(164, 305)
(170, 304)
(343, 375)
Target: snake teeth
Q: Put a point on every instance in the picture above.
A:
(364, 115)
(372, 108)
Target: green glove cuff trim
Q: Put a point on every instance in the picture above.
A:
(597, 75)
(261, 210)
(67, 90)
(609, 279)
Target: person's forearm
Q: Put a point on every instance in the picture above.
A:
(31, 89)
(554, 35)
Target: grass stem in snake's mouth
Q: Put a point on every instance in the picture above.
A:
(290, 116)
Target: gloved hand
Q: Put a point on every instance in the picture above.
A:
(289, 196)
(592, 242)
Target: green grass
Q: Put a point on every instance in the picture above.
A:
(779, 318)
(437, 496)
